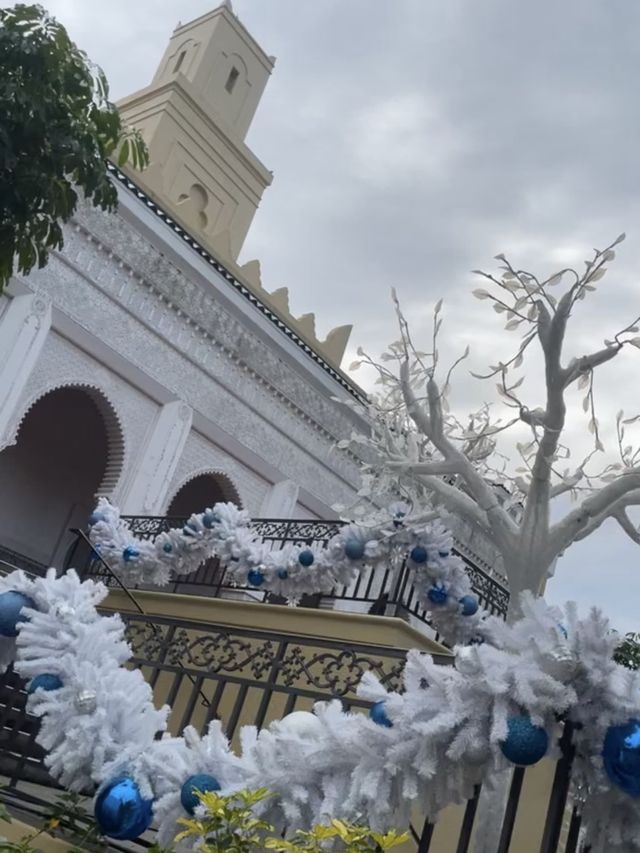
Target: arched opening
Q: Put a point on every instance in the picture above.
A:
(202, 491)
(197, 494)
(69, 449)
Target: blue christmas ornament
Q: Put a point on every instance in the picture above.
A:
(419, 554)
(255, 577)
(120, 810)
(621, 756)
(444, 554)
(306, 558)
(354, 549)
(469, 604)
(200, 782)
(11, 604)
(130, 553)
(95, 517)
(45, 681)
(525, 743)
(438, 594)
(283, 574)
(209, 519)
(167, 547)
(378, 714)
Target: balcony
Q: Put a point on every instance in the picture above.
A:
(213, 651)
(374, 592)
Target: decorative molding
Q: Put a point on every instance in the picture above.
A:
(157, 335)
(156, 465)
(223, 479)
(339, 377)
(174, 298)
(23, 331)
(280, 501)
(201, 456)
(61, 363)
(112, 424)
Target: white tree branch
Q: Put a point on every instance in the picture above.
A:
(436, 469)
(534, 527)
(483, 497)
(579, 366)
(595, 509)
(627, 525)
(457, 502)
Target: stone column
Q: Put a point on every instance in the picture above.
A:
(280, 501)
(23, 330)
(146, 491)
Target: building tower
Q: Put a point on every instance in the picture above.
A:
(194, 117)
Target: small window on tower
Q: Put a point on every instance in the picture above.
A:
(179, 61)
(231, 79)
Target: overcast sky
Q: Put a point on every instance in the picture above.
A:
(411, 141)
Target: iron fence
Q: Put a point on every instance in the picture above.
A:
(11, 560)
(207, 671)
(389, 591)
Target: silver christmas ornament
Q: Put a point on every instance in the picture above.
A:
(560, 663)
(478, 753)
(468, 660)
(86, 701)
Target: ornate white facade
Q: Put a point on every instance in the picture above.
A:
(193, 376)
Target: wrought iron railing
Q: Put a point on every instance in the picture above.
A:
(388, 591)
(206, 671)
(11, 560)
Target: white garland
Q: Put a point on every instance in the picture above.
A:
(448, 723)
(224, 532)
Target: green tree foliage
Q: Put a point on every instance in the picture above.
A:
(628, 652)
(231, 825)
(57, 128)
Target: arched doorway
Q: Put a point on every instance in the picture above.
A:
(202, 491)
(69, 449)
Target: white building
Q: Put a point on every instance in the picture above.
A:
(143, 363)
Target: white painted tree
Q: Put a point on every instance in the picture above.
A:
(416, 443)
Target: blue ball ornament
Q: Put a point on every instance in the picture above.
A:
(120, 810)
(378, 713)
(130, 553)
(354, 549)
(11, 604)
(167, 547)
(438, 595)
(44, 681)
(306, 558)
(419, 554)
(255, 577)
(469, 604)
(444, 554)
(525, 743)
(95, 517)
(283, 574)
(200, 782)
(621, 756)
(209, 519)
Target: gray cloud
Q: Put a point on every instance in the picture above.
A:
(413, 140)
